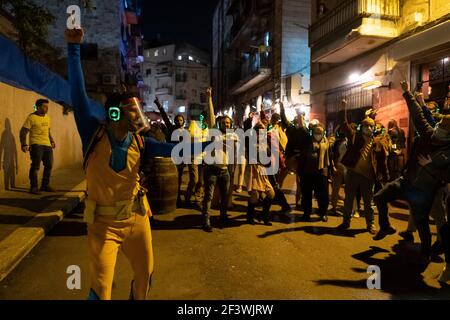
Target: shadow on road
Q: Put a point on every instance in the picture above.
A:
(316, 230)
(49, 203)
(401, 274)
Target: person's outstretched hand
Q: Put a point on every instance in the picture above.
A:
(405, 85)
(74, 35)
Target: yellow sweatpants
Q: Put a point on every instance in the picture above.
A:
(133, 235)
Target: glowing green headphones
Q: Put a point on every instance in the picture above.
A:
(114, 113)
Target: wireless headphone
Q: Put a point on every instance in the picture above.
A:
(35, 108)
(114, 114)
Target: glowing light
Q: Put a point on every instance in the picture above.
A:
(354, 77)
(446, 60)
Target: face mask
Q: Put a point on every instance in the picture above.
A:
(318, 137)
(367, 132)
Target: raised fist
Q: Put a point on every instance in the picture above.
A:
(405, 85)
(209, 92)
(74, 35)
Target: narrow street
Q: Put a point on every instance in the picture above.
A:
(290, 260)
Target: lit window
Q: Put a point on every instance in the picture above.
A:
(182, 109)
(191, 58)
(180, 57)
(156, 53)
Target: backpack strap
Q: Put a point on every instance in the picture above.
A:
(96, 137)
(141, 144)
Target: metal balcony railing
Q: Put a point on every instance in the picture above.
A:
(350, 10)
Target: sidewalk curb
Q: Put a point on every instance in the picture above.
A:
(16, 246)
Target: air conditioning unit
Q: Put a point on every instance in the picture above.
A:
(109, 79)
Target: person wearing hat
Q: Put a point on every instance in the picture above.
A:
(423, 174)
(365, 161)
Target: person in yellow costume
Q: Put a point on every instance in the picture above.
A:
(117, 212)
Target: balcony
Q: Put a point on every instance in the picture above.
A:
(163, 90)
(249, 17)
(352, 28)
(251, 72)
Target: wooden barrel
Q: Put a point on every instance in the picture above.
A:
(162, 184)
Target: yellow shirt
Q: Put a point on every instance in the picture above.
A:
(39, 127)
(105, 186)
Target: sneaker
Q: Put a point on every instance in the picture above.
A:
(47, 189)
(372, 229)
(344, 226)
(324, 218)
(445, 275)
(207, 227)
(407, 236)
(239, 190)
(356, 214)
(34, 190)
(384, 232)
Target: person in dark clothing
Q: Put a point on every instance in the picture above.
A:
(314, 165)
(295, 141)
(365, 161)
(178, 124)
(398, 139)
(445, 235)
(420, 181)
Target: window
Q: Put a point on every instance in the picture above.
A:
(180, 58)
(156, 52)
(191, 58)
(148, 72)
(182, 109)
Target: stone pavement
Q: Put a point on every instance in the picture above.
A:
(26, 218)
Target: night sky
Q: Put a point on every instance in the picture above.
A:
(179, 21)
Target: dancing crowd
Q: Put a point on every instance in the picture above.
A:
(365, 158)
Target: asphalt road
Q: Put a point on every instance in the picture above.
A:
(289, 260)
